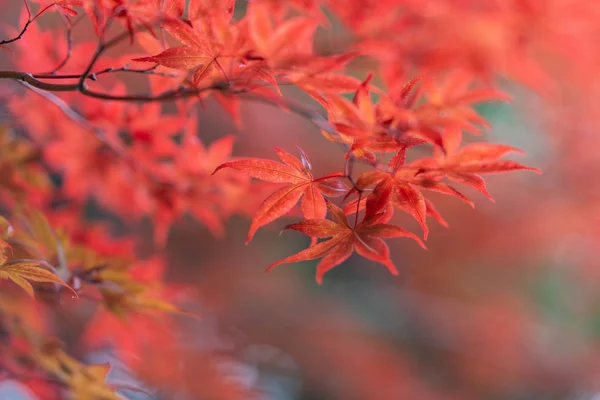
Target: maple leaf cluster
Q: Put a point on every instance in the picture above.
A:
(250, 57)
(132, 304)
(109, 116)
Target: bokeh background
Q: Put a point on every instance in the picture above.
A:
(503, 305)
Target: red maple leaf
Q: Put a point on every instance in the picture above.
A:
(400, 187)
(465, 165)
(364, 238)
(281, 45)
(301, 183)
(197, 53)
(391, 191)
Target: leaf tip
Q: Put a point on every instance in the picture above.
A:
(419, 241)
(218, 168)
(270, 267)
(391, 267)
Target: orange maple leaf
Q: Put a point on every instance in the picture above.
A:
(282, 45)
(301, 183)
(85, 382)
(197, 53)
(22, 271)
(364, 238)
(401, 188)
(465, 165)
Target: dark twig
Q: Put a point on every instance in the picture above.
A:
(69, 31)
(68, 55)
(28, 22)
(31, 80)
(24, 29)
(94, 75)
(35, 83)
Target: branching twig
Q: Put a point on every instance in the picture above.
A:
(28, 22)
(36, 83)
(94, 75)
(24, 29)
(169, 95)
(69, 30)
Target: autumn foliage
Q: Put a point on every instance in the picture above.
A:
(105, 103)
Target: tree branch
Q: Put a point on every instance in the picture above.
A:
(30, 79)
(94, 75)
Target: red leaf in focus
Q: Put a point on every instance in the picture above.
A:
(343, 240)
(300, 184)
(465, 165)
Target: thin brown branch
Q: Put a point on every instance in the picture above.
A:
(179, 93)
(316, 118)
(69, 29)
(24, 29)
(67, 57)
(31, 80)
(94, 75)
(29, 21)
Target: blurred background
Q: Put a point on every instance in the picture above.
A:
(504, 304)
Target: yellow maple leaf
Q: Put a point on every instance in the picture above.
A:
(87, 382)
(23, 271)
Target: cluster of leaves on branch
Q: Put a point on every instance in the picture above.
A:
(84, 131)
(90, 265)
